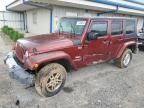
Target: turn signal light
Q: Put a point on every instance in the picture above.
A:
(36, 65)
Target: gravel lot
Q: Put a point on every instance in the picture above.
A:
(98, 86)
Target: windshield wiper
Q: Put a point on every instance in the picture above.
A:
(72, 30)
(61, 27)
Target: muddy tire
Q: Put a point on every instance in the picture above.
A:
(125, 59)
(50, 79)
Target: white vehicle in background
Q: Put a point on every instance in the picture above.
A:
(140, 35)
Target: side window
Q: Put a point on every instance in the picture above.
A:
(99, 27)
(116, 28)
(130, 26)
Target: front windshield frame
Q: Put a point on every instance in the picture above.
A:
(72, 31)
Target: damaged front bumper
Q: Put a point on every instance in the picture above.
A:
(17, 72)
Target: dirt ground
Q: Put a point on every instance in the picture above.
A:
(98, 86)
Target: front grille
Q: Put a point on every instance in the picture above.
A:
(19, 52)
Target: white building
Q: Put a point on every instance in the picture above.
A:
(41, 16)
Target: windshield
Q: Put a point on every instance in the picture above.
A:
(72, 26)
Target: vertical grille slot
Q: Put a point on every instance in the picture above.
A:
(19, 52)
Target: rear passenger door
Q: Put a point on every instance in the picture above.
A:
(116, 37)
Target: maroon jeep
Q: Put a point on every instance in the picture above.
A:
(45, 59)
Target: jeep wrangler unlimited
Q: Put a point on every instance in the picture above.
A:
(45, 59)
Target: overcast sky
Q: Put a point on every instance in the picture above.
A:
(3, 3)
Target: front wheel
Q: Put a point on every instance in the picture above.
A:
(125, 59)
(50, 79)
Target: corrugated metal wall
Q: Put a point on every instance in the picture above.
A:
(11, 19)
(140, 20)
(66, 11)
(43, 18)
(61, 11)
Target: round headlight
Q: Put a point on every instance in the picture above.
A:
(34, 50)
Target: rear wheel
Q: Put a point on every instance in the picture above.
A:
(50, 79)
(125, 59)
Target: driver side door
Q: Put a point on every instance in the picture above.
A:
(96, 50)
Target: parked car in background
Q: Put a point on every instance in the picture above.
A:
(141, 39)
(79, 42)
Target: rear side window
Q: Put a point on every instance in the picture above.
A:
(130, 26)
(99, 27)
(116, 28)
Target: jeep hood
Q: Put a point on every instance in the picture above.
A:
(44, 43)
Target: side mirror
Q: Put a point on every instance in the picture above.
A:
(92, 35)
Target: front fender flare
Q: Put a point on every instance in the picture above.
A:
(51, 56)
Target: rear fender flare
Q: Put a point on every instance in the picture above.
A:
(123, 48)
